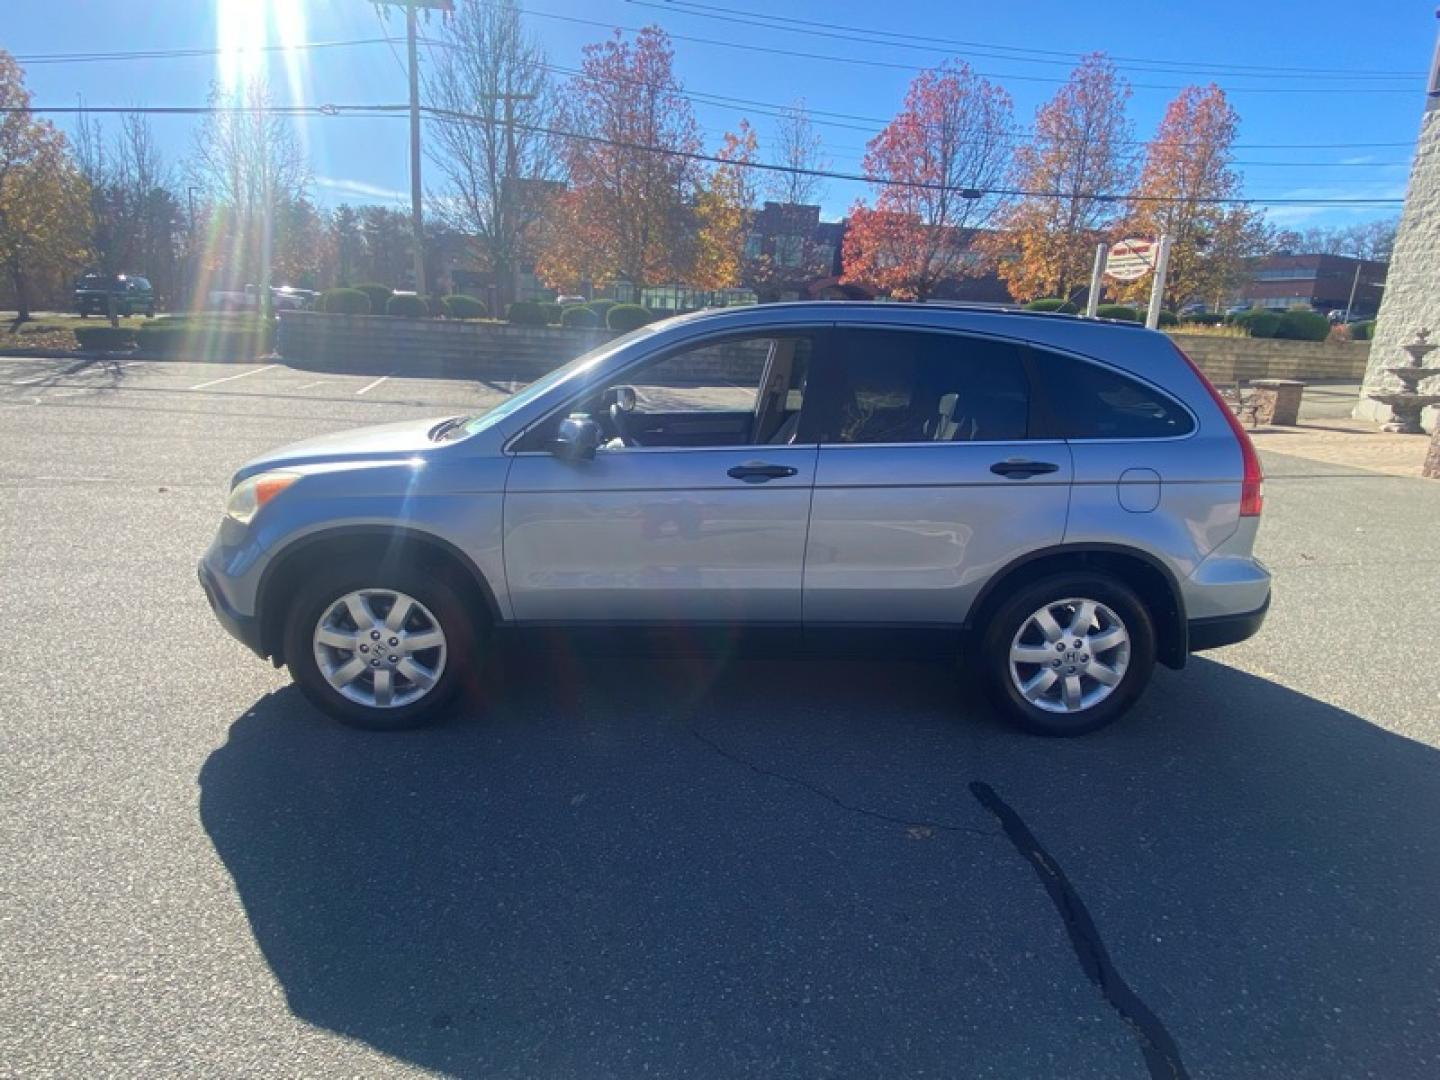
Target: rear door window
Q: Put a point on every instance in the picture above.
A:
(907, 386)
(1089, 401)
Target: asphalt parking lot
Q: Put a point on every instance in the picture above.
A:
(723, 868)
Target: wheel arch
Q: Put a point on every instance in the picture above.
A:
(284, 573)
(1150, 578)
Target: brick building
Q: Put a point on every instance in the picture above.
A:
(1322, 282)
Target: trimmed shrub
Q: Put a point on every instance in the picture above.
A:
(104, 338)
(579, 316)
(379, 296)
(1123, 312)
(628, 317)
(1302, 324)
(602, 308)
(460, 306)
(1363, 331)
(344, 302)
(407, 307)
(1054, 304)
(526, 313)
(1202, 318)
(239, 338)
(552, 311)
(1258, 323)
(1168, 318)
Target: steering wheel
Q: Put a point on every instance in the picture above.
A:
(620, 410)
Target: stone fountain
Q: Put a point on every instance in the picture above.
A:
(1406, 405)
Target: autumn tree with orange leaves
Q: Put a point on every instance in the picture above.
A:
(1183, 186)
(1082, 150)
(625, 214)
(934, 167)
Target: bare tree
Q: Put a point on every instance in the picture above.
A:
(797, 147)
(494, 98)
(248, 161)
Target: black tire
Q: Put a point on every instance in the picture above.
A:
(463, 629)
(1007, 620)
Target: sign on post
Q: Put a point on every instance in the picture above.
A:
(1130, 260)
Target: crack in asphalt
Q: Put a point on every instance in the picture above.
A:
(1157, 1046)
(831, 797)
(1162, 1055)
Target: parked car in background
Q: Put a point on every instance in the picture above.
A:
(567, 301)
(1069, 500)
(133, 295)
(282, 298)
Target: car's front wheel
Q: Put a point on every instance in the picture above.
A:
(1068, 654)
(381, 649)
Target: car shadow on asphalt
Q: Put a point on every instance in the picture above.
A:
(763, 868)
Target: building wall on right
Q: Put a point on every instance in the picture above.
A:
(1411, 301)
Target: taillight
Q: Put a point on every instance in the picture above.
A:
(1252, 498)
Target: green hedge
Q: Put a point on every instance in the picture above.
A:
(407, 307)
(602, 308)
(344, 302)
(208, 339)
(579, 316)
(1363, 331)
(1123, 312)
(553, 312)
(1258, 322)
(526, 313)
(628, 317)
(1203, 318)
(1302, 324)
(1052, 303)
(1167, 318)
(105, 338)
(460, 306)
(379, 295)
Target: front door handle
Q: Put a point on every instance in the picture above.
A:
(757, 472)
(1020, 469)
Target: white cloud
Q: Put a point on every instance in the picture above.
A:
(1288, 214)
(362, 189)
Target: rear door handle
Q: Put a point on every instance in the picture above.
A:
(757, 472)
(1019, 469)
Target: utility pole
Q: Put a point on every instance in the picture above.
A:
(1097, 281)
(417, 221)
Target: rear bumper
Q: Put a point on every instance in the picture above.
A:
(1218, 630)
(243, 628)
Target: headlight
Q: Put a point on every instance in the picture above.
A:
(251, 494)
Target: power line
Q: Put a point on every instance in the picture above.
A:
(1024, 53)
(890, 65)
(388, 110)
(817, 115)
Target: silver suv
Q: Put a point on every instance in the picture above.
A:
(1067, 500)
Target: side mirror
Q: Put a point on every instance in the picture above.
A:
(577, 438)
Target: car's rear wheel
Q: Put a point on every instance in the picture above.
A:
(1068, 654)
(383, 649)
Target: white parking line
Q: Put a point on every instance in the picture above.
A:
(308, 385)
(227, 378)
(34, 379)
(371, 386)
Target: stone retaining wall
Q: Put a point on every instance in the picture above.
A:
(499, 351)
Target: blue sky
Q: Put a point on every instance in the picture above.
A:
(364, 160)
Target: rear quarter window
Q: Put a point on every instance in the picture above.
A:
(1089, 401)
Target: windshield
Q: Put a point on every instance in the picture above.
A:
(574, 369)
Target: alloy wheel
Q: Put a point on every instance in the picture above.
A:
(380, 648)
(1070, 655)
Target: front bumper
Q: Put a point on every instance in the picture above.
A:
(243, 628)
(1218, 630)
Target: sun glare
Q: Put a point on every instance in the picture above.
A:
(245, 28)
